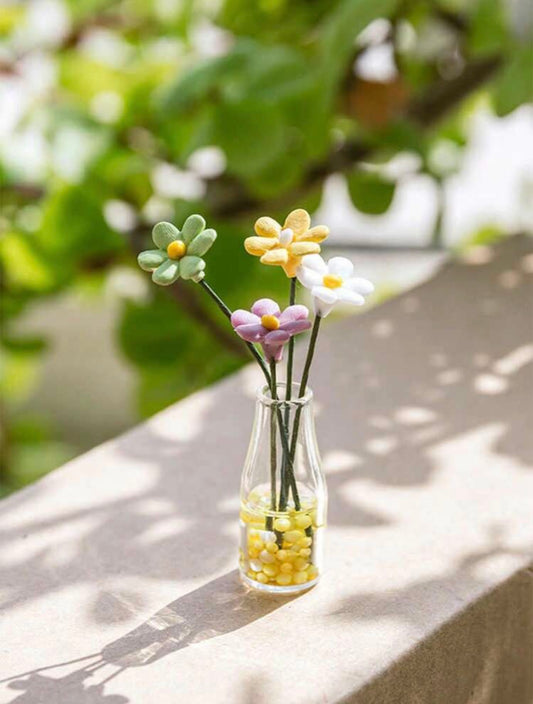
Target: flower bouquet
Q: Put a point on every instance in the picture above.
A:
(283, 491)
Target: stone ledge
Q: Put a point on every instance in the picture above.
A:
(122, 562)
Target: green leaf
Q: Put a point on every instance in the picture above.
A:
(153, 334)
(488, 31)
(30, 344)
(19, 371)
(74, 229)
(514, 85)
(26, 267)
(174, 354)
(369, 192)
(202, 81)
(251, 134)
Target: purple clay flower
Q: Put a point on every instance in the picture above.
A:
(267, 325)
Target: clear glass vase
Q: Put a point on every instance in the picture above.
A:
(283, 496)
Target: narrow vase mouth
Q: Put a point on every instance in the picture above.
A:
(264, 395)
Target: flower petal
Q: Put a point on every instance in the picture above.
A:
(277, 337)
(275, 257)
(151, 259)
(322, 309)
(316, 263)
(298, 220)
(166, 273)
(202, 243)
(300, 249)
(273, 352)
(259, 245)
(324, 299)
(244, 317)
(251, 333)
(291, 266)
(340, 266)
(164, 233)
(360, 285)
(267, 227)
(347, 296)
(295, 326)
(191, 267)
(308, 277)
(315, 234)
(294, 312)
(324, 294)
(192, 227)
(265, 306)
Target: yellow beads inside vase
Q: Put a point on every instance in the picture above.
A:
(281, 550)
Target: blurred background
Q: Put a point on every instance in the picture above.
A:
(403, 125)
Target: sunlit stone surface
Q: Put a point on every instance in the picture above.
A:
(117, 579)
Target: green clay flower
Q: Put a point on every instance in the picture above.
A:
(178, 253)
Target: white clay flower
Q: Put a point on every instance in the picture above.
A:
(332, 283)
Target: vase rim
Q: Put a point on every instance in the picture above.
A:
(264, 395)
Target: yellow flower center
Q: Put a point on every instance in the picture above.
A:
(176, 249)
(331, 281)
(270, 322)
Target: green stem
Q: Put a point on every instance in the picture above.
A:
(273, 448)
(284, 489)
(303, 386)
(227, 312)
(284, 436)
(290, 354)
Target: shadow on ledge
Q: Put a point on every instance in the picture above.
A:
(219, 607)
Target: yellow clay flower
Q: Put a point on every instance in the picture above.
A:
(285, 246)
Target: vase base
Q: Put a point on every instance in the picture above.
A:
(276, 589)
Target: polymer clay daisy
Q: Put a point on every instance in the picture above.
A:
(178, 253)
(270, 327)
(332, 283)
(285, 246)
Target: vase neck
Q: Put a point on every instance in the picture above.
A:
(288, 397)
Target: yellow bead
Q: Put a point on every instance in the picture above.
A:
(299, 577)
(252, 552)
(303, 521)
(281, 555)
(293, 536)
(305, 542)
(256, 565)
(290, 556)
(272, 547)
(301, 564)
(176, 249)
(270, 570)
(286, 545)
(284, 580)
(261, 577)
(266, 557)
(305, 552)
(251, 574)
(256, 543)
(312, 572)
(286, 567)
(282, 524)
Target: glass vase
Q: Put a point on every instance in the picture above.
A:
(283, 496)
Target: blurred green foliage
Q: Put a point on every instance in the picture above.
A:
(134, 90)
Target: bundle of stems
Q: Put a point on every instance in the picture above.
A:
(280, 422)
